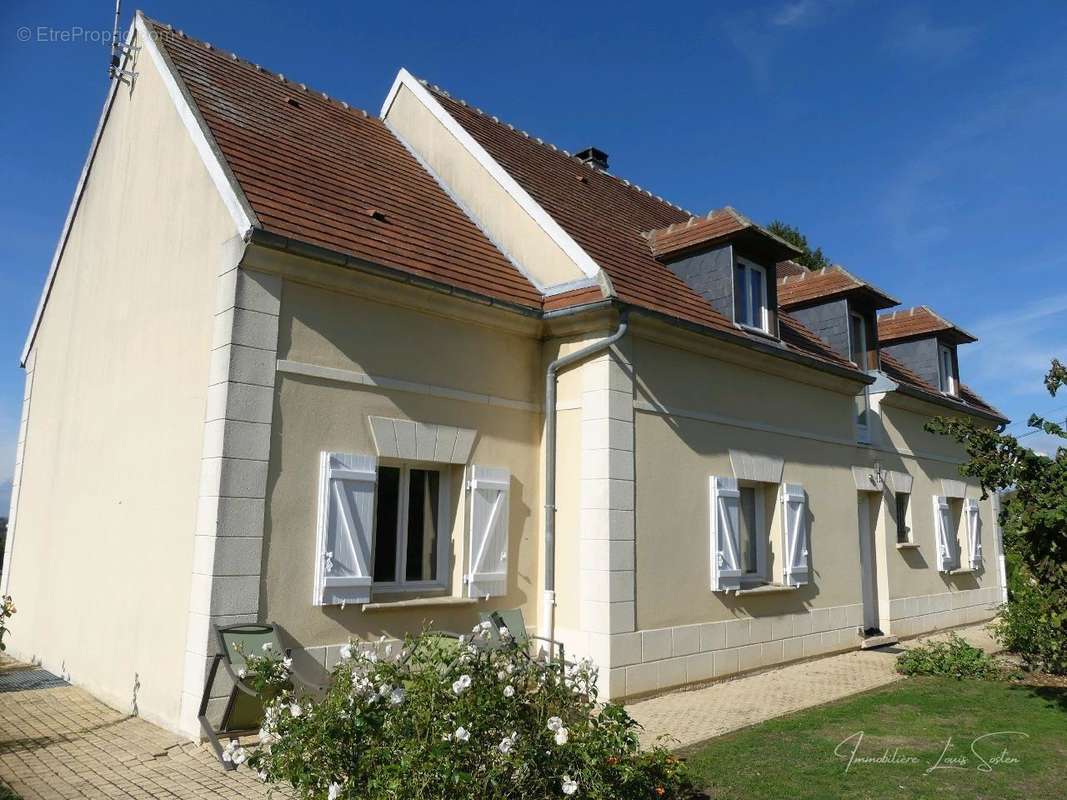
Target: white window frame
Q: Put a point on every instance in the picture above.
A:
(444, 528)
(762, 575)
(907, 519)
(863, 429)
(947, 376)
(764, 323)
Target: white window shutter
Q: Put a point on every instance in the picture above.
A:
(346, 529)
(942, 528)
(725, 508)
(795, 535)
(974, 532)
(487, 573)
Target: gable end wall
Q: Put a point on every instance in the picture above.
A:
(102, 556)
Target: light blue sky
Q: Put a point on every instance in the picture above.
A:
(921, 145)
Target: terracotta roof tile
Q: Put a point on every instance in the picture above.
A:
(790, 267)
(607, 217)
(797, 289)
(696, 232)
(968, 399)
(317, 171)
(919, 321)
(314, 170)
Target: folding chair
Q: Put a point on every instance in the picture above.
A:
(513, 620)
(244, 707)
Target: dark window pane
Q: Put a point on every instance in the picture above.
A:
(755, 279)
(902, 517)
(423, 492)
(740, 296)
(748, 533)
(858, 341)
(386, 510)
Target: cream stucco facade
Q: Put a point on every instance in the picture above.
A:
(185, 381)
(102, 548)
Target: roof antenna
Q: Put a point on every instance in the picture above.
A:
(115, 70)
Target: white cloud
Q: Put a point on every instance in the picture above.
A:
(796, 13)
(1012, 355)
(758, 36)
(923, 205)
(1042, 443)
(801, 13)
(914, 35)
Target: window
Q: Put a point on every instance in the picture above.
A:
(741, 544)
(946, 370)
(863, 412)
(753, 534)
(857, 339)
(750, 296)
(903, 517)
(410, 538)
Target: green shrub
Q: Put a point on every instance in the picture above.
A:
(953, 657)
(1034, 625)
(1034, 524)
(467, 720)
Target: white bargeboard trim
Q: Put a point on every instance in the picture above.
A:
(229, 192)
(562, 239)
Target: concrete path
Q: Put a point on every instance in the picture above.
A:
(696, 715)
(56, 741)
(59, 742)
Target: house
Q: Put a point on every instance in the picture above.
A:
(350, 373)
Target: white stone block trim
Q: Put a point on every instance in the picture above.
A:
(652, 660)
(228, 539)
(16, 478)
(606, 537)
(910, 616)
(421, 441)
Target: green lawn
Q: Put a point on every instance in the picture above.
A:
(7, 794)
(914, 720)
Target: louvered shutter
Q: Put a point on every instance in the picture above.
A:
(346, 528)
(795, 534)
(725, 507)
(974, 532)
(487, 573)
(943, 528)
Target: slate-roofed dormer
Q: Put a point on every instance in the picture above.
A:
(838, 306)
(729, 261)
(925, 343)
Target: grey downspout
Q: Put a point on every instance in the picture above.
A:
(549, 599)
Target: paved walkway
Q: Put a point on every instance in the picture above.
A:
(697, 715)
(56, 741)
(59, 742)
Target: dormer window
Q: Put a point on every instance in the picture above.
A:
(946, 370)
(750, 296)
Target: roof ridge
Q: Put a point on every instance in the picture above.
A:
(302, 87)
(549, 146)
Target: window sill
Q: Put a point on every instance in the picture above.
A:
(757, 332)
(907, 545)
(962, 571)
(767, 588)
(420, 602)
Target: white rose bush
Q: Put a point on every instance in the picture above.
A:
(478, 719)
